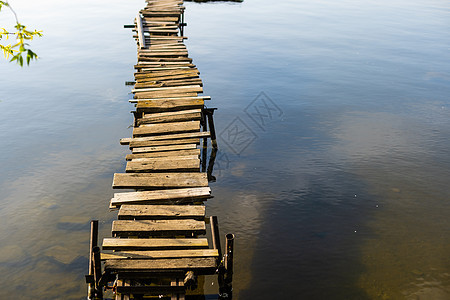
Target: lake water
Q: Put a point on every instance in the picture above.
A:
(333, 123)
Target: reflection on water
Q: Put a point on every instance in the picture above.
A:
(343, 197)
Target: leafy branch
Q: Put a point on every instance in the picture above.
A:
(21, 36)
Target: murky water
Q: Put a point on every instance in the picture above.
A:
(333, 168)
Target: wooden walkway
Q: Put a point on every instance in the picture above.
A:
(157, 248)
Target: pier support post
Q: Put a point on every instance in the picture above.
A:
(226, 276)
(209, 114)
(215, 235)
(97, 272)
(93, 242)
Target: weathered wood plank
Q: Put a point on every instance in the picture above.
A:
(158, 227)
(170, 83)
(175, 116)
(188, 194)
(184, 89)
(161, 254)
(159, 180)
(164, 94)
(166, 104)
(172, 127)
(175, 136)
(150, 290)
(191, 165)
(149, 244)
(163, 154)
(140, 31)
(207, 264)
(167, 142)
(131, 212)
(164, 148)
(187, 157)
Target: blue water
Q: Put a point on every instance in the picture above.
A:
(333, 128)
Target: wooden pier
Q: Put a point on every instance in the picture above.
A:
(158, 245)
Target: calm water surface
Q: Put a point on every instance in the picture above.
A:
(338, 191)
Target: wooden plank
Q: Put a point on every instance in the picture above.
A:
(190, 165)
(164, 94)
(167, 142)
(164, 148)
(206, 264)
(158, 195)
(166, 73)
(165, 104)
(153, 244)
(171, 127)
(167, 83)
(188, 157)
(159, 180)
(166, 59)
(184, 89)
(173, 116)
(161, 254)
(150, 290)
(131, 212)
(140, 31)
(175, 136)
(144, 102)
(180, 77)
(158, 227)
(163, 63)
(163, 154)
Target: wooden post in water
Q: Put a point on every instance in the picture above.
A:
(226, 276)
(215, 235)
(92, 243)
(97, 272)
(229, 248)
(209, 114)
